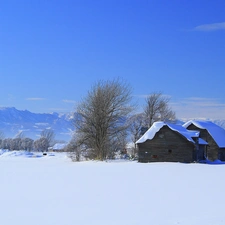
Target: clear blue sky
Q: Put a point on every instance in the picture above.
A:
(52, 51)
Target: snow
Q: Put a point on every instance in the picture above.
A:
(217, 132)
(52, 190)
(59, 146)
(150, 133)
(202, 142)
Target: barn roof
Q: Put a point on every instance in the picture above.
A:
(59, 146)
(217, 132)
(150, 133)
(202, 142)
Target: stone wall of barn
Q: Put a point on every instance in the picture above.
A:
(167, 146)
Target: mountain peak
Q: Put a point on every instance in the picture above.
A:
(31, 124)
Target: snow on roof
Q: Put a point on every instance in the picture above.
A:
(202, 142)
(59, 146)
(217, 132)
(150, 133)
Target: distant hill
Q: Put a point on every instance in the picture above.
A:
(13, 121)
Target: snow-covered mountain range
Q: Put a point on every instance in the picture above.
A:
(13, 121)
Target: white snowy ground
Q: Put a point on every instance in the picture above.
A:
(54, 191)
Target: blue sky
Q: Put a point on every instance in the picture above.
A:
(51, 52)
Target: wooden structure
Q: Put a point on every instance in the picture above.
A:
(169, 143)
(213, 134)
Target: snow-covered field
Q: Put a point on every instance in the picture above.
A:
(52, 190)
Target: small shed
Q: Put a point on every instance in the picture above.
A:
(213, 134)
(169, 143)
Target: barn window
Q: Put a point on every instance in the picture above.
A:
(154, 156)
(170, 151)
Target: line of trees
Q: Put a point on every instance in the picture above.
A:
(20, 142)
(105, 118)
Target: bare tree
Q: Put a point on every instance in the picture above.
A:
(6, 143)
(100, 117)
(119, 145)
(137, 123)
(41, 144)
(27, 144)
(2, 136)
(157, 108)
(15, 144)
(74, 148)
(49, 135)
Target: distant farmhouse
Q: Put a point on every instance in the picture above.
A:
(194, 141)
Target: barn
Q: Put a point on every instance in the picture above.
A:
(213, 134)
(170, 143)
